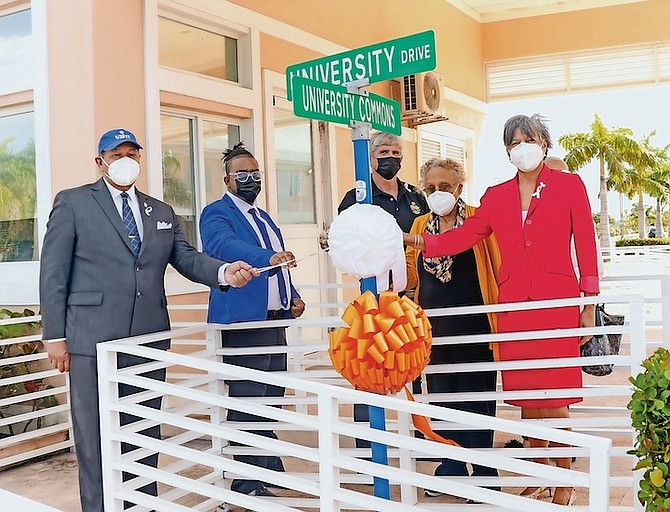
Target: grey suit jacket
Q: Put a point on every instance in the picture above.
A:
(92, 288)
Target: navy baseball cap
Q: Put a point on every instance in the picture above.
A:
(116, 137)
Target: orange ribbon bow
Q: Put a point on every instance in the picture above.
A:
(386, 346)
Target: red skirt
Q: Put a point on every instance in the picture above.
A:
(541, 378)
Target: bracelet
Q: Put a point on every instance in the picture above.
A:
(417, 240)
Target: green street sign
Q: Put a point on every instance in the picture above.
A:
(378, 62)
(316, 100)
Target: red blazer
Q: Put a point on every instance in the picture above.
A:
(536, 262)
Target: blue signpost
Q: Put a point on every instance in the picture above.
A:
(360, 135)
(351, 71)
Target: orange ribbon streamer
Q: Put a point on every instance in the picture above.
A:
(422, 425)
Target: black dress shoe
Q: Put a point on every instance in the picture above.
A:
(261, 491)
(275, 486)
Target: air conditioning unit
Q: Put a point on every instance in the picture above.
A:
(421, 95)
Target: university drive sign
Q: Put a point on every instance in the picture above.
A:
(382, 61)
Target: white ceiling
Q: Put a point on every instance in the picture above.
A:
(497, 10)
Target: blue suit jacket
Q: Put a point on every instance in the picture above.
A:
(227, 234)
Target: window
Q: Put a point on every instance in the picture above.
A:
(193, 49)
(295, 170)
(16, 53)
(18, 222)
(216, 138)
(178, 172)
(181, 154)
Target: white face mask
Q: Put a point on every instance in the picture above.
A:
(123, 171)
(526, 156)
(441, 203)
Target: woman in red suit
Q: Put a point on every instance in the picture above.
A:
(534, 216)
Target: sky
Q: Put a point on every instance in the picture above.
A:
(642, 109)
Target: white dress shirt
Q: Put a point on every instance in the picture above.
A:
(274, 300)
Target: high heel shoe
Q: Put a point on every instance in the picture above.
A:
(571, 497)
(535, 494)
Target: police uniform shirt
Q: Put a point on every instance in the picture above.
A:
(410, 204)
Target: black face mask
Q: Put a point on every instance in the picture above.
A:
(248, 191)
(388, 167)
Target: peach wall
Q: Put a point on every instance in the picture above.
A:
(16, 99)
(7, 5)
(96, 82)
(353, 24)
(642, 22)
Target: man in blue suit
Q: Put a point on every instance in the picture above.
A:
(233, 227)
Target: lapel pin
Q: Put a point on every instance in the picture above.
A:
(147, 210)
(538, 190)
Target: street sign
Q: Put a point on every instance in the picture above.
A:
(382, 61)
(316, 100)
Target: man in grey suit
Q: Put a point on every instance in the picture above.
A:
(102, 267)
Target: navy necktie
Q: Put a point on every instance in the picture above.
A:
(131, 226)
(268, 245)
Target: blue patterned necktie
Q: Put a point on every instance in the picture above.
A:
(131, 226)
(268, 245)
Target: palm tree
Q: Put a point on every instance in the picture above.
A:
(651, 181)
(659, 178)
(662, 177)
(635, 184)
(18, 199)
(613, 148)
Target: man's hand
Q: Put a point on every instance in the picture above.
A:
(239, 273)
(323, 239)
(298, 307)
(283, 257)
(59, 357)
(587, 318)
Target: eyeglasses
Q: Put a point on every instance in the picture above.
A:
(243, 176)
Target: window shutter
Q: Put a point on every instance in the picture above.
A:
(434, 145)
(578, 71)
(430, 149)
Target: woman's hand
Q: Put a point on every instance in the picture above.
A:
(587, 318)
(413, 240)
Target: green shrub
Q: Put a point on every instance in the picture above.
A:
(650, 415)
(627, 242)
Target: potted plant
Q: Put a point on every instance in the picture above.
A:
(650, 413)
(10, 368)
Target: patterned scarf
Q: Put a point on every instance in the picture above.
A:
(440, 266)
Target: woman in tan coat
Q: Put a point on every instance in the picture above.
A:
(466, 279)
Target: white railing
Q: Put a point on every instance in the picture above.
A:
(625, 273)
(12, 502)
(34, 400)
(633, 253)
(316, 430)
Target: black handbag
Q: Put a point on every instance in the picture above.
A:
(602, 344)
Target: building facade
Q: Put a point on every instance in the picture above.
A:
(193, 77)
